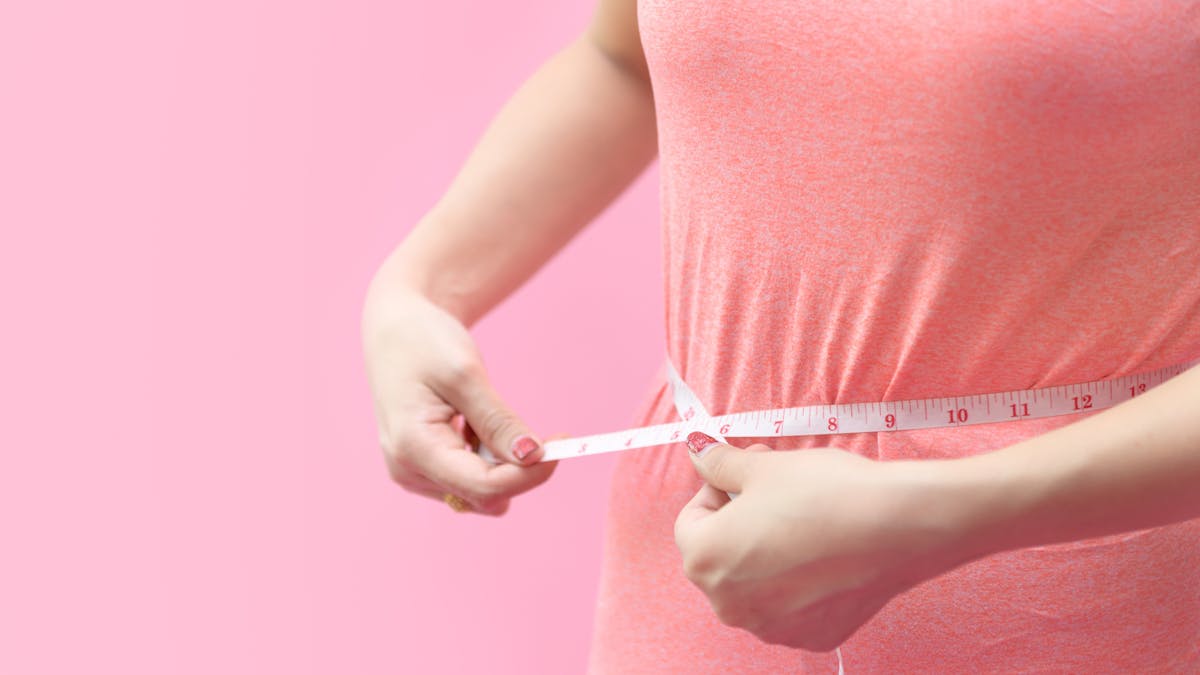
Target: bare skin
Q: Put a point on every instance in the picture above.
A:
(551, 160)
(787, 560)
(795, 562)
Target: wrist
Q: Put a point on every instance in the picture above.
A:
(403, 277)
(964, 509)
(992, 499)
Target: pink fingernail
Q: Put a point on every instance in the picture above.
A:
(523, 446)
(698, 442)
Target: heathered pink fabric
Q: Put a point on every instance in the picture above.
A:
(874, 200)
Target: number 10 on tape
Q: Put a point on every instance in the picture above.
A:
(850, 418)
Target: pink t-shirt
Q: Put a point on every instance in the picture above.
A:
(874, 200)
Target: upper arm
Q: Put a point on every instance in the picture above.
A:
(614, 31)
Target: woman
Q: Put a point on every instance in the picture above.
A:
(869, 201)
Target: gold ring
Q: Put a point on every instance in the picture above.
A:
(457, 503)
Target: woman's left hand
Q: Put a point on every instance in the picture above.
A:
(817, 541)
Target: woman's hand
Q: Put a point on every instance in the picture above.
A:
(816, 541)
(425, 371)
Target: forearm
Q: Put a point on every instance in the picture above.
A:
(1133, 466)
(571, 138)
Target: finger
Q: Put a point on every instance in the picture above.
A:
(493, 421)
(491, 458)
(485, 485)
(416, 483)
(720, 465)
(697, 527)
(497, 508)
(494, 508)
(470, 439)
(704, 503)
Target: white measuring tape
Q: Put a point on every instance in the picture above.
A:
(852, 418)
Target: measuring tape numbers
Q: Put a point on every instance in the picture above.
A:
(853, 418)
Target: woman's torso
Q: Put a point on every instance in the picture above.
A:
(867, 201)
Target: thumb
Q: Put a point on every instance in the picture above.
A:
(499, 428)
(722, 466)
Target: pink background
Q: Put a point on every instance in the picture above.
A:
(193, 197)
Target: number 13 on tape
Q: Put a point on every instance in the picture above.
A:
(850, 418)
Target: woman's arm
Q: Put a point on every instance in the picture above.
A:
(1133, 466)
(819, 540)
(567, 142)
(571, 138)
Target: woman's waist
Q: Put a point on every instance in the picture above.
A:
(963, 419)
(772, 379)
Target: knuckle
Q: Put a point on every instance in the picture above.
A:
(732, 614)
(395, 444)
(397, 475)
(485, 495)
(498, 423)
(681, 542)
(701, 568)
(401, 476)
(401, 469)
(398, 467)
(461, 370)
(718, 463)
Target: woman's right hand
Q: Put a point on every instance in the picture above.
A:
(432, 395)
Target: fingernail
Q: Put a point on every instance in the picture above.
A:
(699, 443)
(523, 446)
